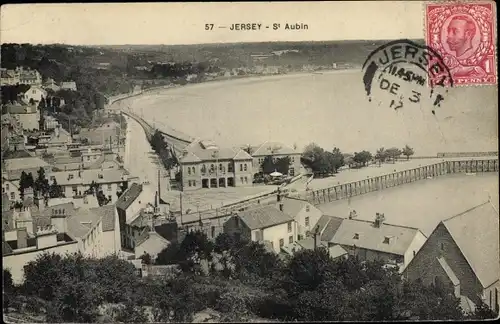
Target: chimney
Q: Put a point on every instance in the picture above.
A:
(22, 238)
(281, 207)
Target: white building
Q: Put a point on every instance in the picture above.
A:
(263, 224)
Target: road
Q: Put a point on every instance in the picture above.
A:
(140, 159)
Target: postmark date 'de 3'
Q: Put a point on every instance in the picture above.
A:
(403, 72)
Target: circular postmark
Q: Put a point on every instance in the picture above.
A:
(402, 73)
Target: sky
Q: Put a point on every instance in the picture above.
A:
(184, 23)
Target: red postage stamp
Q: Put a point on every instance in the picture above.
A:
(463, 33)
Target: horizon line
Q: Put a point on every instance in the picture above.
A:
(209, 44)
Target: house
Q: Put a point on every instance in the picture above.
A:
(276, 151)
(12, 170)
(205, 165)
(28, 116)
(50, 123)
(28, 76)
(334, 251)
(50, 84)
(75, 183)
(69, 85)
(461, 256)
(377, 240)
(151, 243)
(60, 229)
(34, 94)
(102, 135)
(304, 214)
(263, 224)
(9, 77)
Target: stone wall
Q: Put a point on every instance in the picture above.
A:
(394, 179)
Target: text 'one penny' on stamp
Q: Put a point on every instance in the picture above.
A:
(464, 35)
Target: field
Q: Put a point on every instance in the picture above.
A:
(421, 204)
(330, 109)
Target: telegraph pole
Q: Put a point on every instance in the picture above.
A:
(315, 233)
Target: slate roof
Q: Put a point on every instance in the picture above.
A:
(263, 217)
(336, 251)
(197, 153)
(292, 206)
(476, 233)
(129, 196)
(16, 109)
(154, 243)
(108, 214)
(308, 243)
(87, 176)
(372, 238)
(267, 147)
(25, 163)
(77, 226)
(331, 228)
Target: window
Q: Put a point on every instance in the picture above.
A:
(245, 167)
(246, 180)
(289, 227)
(194, 183)
(75, 189)
(291, 171)
(110, 198)
(6, 186)
(212, 167)
(308, 208)
(88, 157)
(241, 167)
(387, 240)
(70, 177)
(189, 183)
(189, 171)
(220, 166)
(282, 242)
(109, 187)
(213, 231)
(290, 239)
(194, 170)
(12, 196)
(441, 246)
(356, 236)
(3, 190)
(307, 220)
(230, 167)
(241, 179)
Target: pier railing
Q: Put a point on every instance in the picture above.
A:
(356, 188)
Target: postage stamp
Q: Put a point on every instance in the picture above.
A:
(463, 33)
(402, 72)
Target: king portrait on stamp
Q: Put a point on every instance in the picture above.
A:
(464, 34)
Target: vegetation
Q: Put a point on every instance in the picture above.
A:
(162, 149)
(281, 165)
(243, 281)
(322, 163)
(407, 151)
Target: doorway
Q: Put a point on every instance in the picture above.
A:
(230, 182)
(222, 182)
(204, 183)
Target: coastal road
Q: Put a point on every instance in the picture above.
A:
(140, 159)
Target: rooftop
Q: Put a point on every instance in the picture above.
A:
(387, 238)
(24, 163)
(66, 178)
(129, 196)
(292, 206)
(268, 148)
(200, 150)
(476, 233)
(263, 217)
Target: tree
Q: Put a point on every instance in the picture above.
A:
(101, 198)
(381, 155)
(482, 311)
(268, 165)
(146, 258)
(282, 164)
(123, 187)
(362, 157)
(130, 313)
(320, 161)
(407, 151)
(55, 190)
(349, 159)
(42, 186)
(393, 153)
